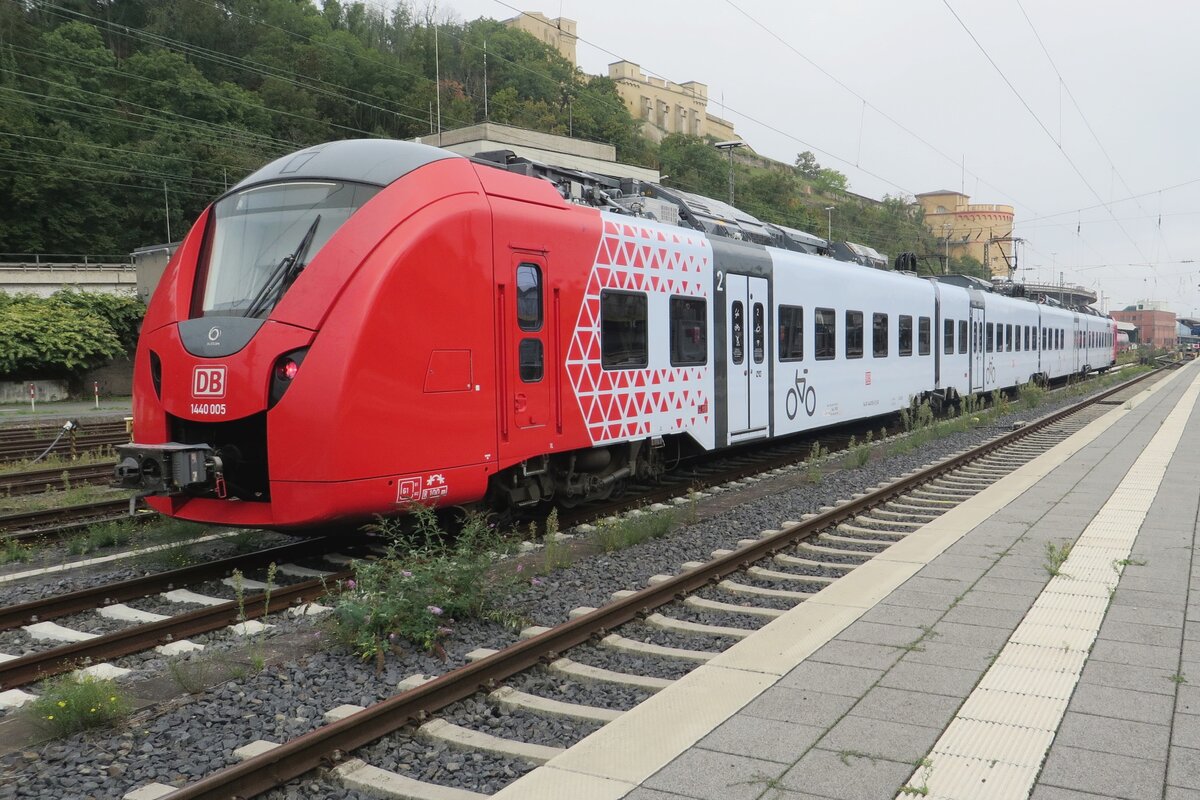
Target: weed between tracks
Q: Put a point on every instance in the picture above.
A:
(425, 582)
(69, 704)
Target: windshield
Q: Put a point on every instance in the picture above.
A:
(263, 237)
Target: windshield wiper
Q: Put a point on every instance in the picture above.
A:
(284, 273)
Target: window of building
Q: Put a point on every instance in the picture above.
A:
(825, 333)
(854, 334)
(791, 333)
(529, 297)
(923, 336)
(962, 336)
(879, 335)
(530, 358)
(623, 330)
(905, 331)
(991, 332)
(689, 331)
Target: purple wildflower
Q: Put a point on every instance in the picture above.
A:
(536, 582)
(350, 584)
(520, 568)
(437, 612)
(406, 573)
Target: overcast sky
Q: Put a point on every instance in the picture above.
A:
(1133, 69)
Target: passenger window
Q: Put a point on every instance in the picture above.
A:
(529, 297)
(1008, 342)
(530, 357)
(791, 333)
(905, 331)
(962, 336)
(689, 332)
(737, 329)
(854, 334)
(923, 336)
(623, 340)
(948, 336)
(760, 339)
(825, 330)
(991, 332)
(879, 335)
(1027, 347)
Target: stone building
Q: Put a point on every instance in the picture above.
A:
(666, 107)
(980, 230)
(558, 32)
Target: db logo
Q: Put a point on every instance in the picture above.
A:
(208, 382)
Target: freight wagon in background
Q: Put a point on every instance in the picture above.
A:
(366, 324)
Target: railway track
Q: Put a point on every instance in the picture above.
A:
(755, 582)
(55, 478)
(29, 525)
(24, 443)
(71, 646)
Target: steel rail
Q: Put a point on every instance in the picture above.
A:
(330, 743)
(47, 663)
(24, 520)
(40, 480)
(99, 596)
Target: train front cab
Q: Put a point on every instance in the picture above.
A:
(392, 401)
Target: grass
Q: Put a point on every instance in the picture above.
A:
(1178, 678)
(633, 530)
(555, 553)
(70, 704)
(171, 535)
(101, 455)
(57, 499)
(1056, 555)
(12, 552)
(100, 536)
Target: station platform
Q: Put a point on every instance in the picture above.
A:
(1039, 640)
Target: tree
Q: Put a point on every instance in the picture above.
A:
(47, 337)
(122, 313)
(807, 166)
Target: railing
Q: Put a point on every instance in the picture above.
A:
(51, 261)
(48, 266)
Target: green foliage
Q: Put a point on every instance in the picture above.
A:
(12, 551)
(46, 336)
(1032, 395)
(632, 530)
(123, 313)
(110, 102)
(100, 536)
(421, 587)
(70, 704)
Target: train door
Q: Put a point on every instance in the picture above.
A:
(747, 377)
(1078, 361)
(977, 348)
(527, 315)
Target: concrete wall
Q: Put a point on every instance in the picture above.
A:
(18, 391)
(44, 279)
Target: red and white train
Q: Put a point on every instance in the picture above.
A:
(367, 324)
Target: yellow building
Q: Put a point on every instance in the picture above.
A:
(980, 230)
(558, 33)
(665, 107)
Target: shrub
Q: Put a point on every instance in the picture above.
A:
(423, 584)
(70, 703)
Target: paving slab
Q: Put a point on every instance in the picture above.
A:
(956, 632)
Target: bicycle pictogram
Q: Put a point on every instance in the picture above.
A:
(801, 390)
